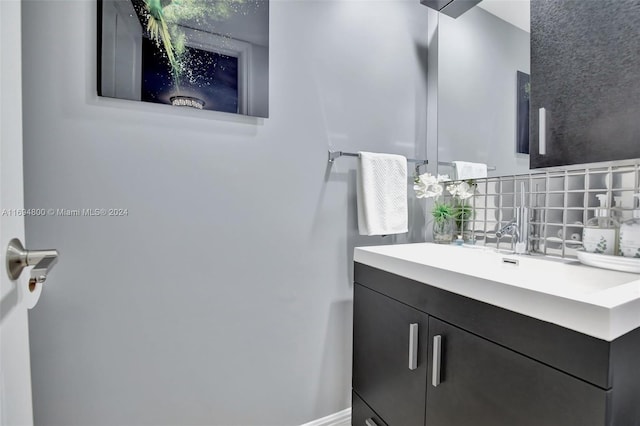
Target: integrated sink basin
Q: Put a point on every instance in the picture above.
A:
(601, 303)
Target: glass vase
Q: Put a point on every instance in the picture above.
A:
(463, 214)
(462, 230)
(443, 231)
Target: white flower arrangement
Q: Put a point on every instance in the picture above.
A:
(428, 186)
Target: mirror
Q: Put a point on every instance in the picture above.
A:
(202, 54)
(483, 71)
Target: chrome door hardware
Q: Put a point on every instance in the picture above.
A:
(542, 131)
(18, 258)
(370, 422)
(413, 346)
(437, 355)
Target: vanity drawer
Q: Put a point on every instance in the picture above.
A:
(362, 414)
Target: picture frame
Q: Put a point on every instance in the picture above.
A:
(201, 54)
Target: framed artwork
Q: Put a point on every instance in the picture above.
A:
(523, 93)
(201, 54)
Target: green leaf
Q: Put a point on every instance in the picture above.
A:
(441, 211)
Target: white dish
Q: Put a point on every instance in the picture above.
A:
(616, 263)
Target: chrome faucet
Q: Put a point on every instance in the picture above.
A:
(510, 228)
(518, 227)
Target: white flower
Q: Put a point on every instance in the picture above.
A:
(427, 186)
(424, 191)
(427, 179)
(462, 190)
(443, 178)
(465, 191)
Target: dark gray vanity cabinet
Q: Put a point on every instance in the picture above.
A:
(585, 72)
(389, 358)
(480, 365)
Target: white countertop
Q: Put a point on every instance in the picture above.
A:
(597, 302)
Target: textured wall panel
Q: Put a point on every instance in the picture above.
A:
(585, 71)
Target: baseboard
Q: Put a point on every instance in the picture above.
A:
(341, 418)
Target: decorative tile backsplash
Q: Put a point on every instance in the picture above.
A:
(561, 200)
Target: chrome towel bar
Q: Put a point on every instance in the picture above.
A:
(337, 154)
(450, 164)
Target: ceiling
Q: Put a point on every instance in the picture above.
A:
(515, 12)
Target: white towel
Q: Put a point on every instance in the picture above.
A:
(466, 170)
(382, 194)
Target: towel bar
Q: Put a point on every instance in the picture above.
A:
(337, 154)
(450, 164)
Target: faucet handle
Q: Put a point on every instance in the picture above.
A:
(509, 227)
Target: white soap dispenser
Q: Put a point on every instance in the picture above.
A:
(630, 234)
(600, 233)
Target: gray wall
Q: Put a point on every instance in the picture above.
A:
(225, 295)
(478, 56)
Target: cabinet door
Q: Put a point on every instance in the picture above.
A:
(585, 71)
(484, 384)
(383, 350)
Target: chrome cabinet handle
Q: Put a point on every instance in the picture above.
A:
(18, 258)
(437, 355)
(370, 422)
(542, 131)
(413, 346)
